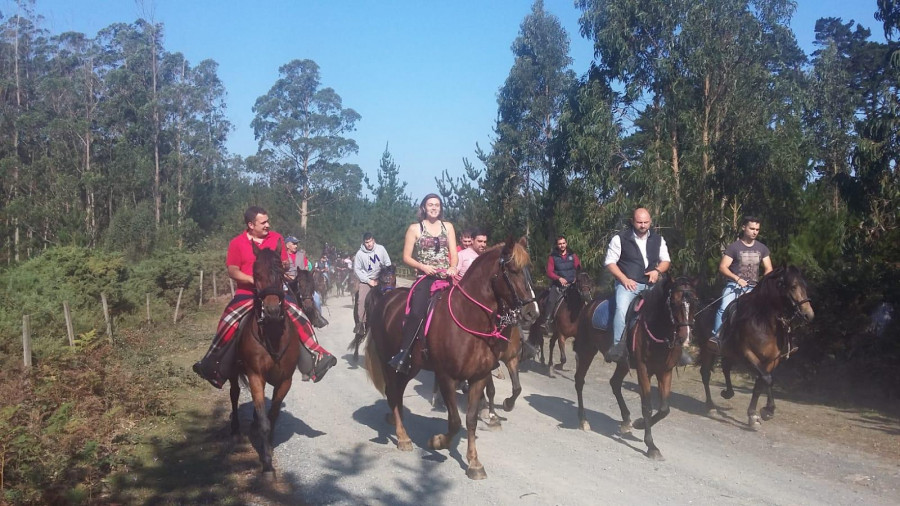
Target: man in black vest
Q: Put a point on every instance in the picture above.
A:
(562, 267)
(636, 257)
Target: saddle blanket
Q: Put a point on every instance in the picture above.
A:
(603, 315)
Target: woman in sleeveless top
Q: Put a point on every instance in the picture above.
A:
(430, 249)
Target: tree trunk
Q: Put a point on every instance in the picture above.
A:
(157, 194)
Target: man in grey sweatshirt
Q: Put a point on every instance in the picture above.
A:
(367, 263)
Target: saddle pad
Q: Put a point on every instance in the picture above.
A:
(602, 316)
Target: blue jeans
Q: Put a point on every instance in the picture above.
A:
(731, 292)
(623, 300)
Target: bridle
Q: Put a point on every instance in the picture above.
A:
(499, 320)
(688, 296)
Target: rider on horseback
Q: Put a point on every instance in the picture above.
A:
(367, 264)
(636, 257)
(430, 248)
(740, 266)
(562, 268)
(239, 260)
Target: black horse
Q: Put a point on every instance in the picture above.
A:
(387, 281)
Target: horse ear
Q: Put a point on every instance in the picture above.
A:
(523, 241)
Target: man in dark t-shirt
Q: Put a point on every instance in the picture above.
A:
(740, 266)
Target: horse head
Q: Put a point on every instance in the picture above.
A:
(306, 289)
(512, 283)
(793, 286)
(682, 302)
(387, 278)
(585, 286)
(268, 276)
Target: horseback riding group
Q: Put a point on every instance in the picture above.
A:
(467, 307)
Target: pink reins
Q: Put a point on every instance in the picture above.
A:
(497, 332)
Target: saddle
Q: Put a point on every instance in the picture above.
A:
(606, 310)
(437, 289)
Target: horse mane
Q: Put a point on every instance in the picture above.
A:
(267, 268)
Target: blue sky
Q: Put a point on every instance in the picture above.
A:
(423, 75)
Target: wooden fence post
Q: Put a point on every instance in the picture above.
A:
(215, 291)
(26, 339)
(200, 304)
(178, 305)
(70, 331)
(106, 316)
(148, 308)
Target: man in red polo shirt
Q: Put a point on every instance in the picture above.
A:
(216, 365)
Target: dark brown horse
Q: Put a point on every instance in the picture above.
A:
(322, 284)
(269, 348)
(565, 322)
(387, 281)
(757, 333)
(663, 325)
(463, 340)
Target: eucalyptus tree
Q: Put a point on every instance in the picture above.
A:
(301, 130)
(717, 133)
(529, 106)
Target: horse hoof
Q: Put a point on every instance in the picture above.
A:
(269, 476)
(508, 405)
(753, 422)
(405, 446)
(727, 394)
(625, 427)
(585, 426)
(476, 473)
(655, 455)
(560, 367)
(437, 442)
(767, 414)
(638, 424)
(494, 425)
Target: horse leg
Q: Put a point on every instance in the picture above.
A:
(562, 352)
(664, 384)
(278, 396)
(583, 363)
(475, 471)
(616, 383)
(258, 391)
(706, 365)
(647, 413)
(492, 421)
(752, 415)
(395, 384)
(448, 392)
(235, 393)
(550, 360)
(512, 365)
(728, 393)
(434, 392)
(769, 411)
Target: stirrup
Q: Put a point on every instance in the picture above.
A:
(400, 362)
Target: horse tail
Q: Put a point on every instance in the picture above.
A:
(374, 367)
(357, 340)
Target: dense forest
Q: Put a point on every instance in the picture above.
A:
(113, 152)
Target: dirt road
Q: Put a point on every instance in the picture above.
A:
(334, 446)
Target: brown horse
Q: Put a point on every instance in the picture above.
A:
(462, 342)
(757, 333)
(269, 348)
(387, 281)
(663, 325)
(565, 322)
(322, 284)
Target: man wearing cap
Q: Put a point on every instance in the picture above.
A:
(296, 260)
(367, 264)
(218, 362)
